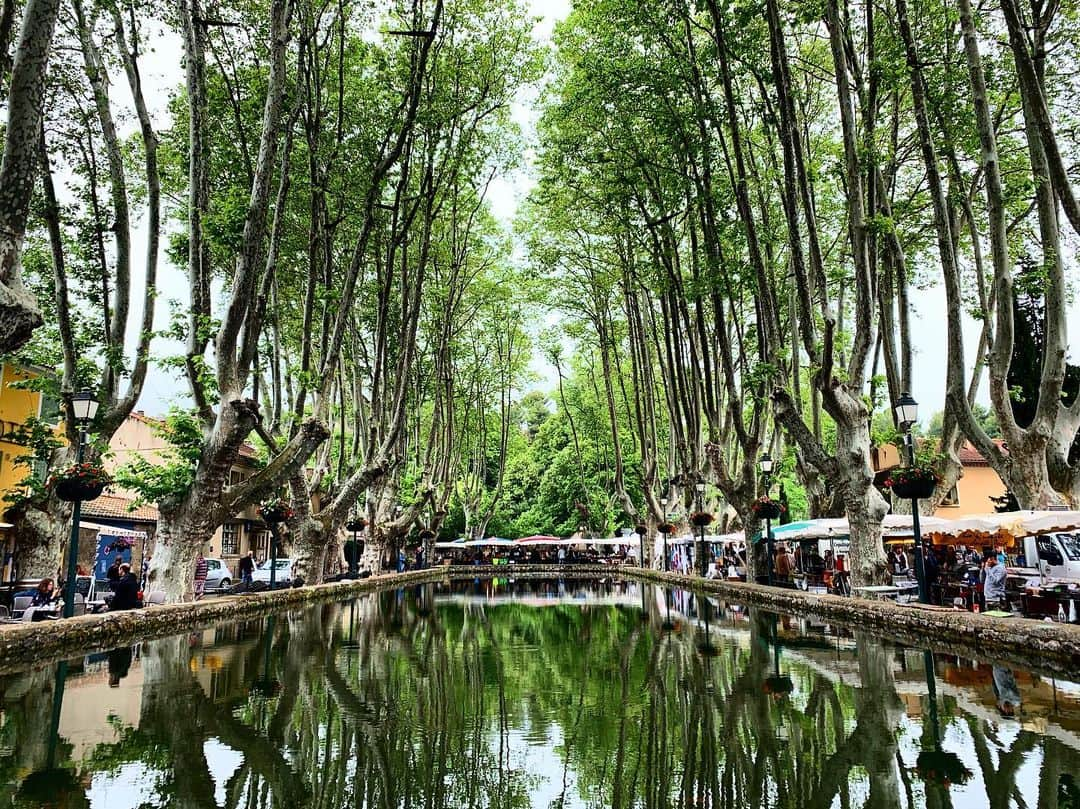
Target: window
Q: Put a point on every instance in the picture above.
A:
(1048, 553)
(1071, 544)
(230, 539)
(50, 409)
(212, 564)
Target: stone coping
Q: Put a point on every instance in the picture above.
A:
(34, 644)
(1051, 649)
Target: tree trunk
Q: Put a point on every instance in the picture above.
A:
(19, 314)
(865, 506)
(41, 538)
(309, 544)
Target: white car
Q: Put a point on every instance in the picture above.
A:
(284, 571)
(218, 575)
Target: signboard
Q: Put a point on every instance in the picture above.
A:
(107, 551)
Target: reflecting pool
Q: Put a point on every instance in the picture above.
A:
(545, 694)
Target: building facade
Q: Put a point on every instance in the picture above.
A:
(18, 405)
(140, 437)
(973, 492)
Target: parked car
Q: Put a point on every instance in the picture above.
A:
(284, 571)
(218, 575)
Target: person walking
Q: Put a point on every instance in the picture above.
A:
(202, 568)
(247, 567)
(994, 585)
(785, 567)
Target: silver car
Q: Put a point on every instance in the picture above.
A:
(218, 575)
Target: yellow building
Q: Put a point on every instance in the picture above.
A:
(17, 406)
(971, 495)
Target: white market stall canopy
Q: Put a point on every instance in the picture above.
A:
(1013, 523)
(112, 531)
(496, 542)
(737, 539)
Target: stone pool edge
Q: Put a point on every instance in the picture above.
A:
(1030, 644)
(30, 645)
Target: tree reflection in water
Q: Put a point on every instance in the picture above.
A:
(404, 699)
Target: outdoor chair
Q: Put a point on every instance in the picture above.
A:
(5, 616)
(80, 606)
(20, 605)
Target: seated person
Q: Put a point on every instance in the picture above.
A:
(45, 595)
(43, 602)
(125, 591)
(898, 560)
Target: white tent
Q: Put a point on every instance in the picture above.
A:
(1015, 523)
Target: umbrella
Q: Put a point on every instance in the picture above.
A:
(540, 539)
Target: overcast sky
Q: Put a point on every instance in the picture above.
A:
(162, 74)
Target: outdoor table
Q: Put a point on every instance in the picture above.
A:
(949, 591)
(1045, 603)
(879, 591)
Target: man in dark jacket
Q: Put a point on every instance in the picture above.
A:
(125, 591)
(247, 567)
(113, 573)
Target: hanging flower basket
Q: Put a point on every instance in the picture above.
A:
(912, 482)
(707, 648)
(427, 535)
(941, 767)
(666, 528)
(82, 481)
(355, 525)
(266, 687)
(276, 510)
(640, 530)
(701, 518)
(766, 509)
(778, 685)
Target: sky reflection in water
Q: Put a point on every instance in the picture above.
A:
(534, 694)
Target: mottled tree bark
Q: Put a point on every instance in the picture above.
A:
(19, 314)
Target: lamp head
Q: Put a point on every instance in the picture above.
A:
(907, 411)
(700, 486)
(663, 502)
(765, 463)
(84, 406)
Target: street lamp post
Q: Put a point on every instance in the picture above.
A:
(83, 409)
(663, 523)
(700, 487)
(273, 553)
(355, 553)
(907, 414)
(766, 465)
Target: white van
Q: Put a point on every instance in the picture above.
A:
(1057, 556)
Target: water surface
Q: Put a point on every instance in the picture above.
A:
(496, 694)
